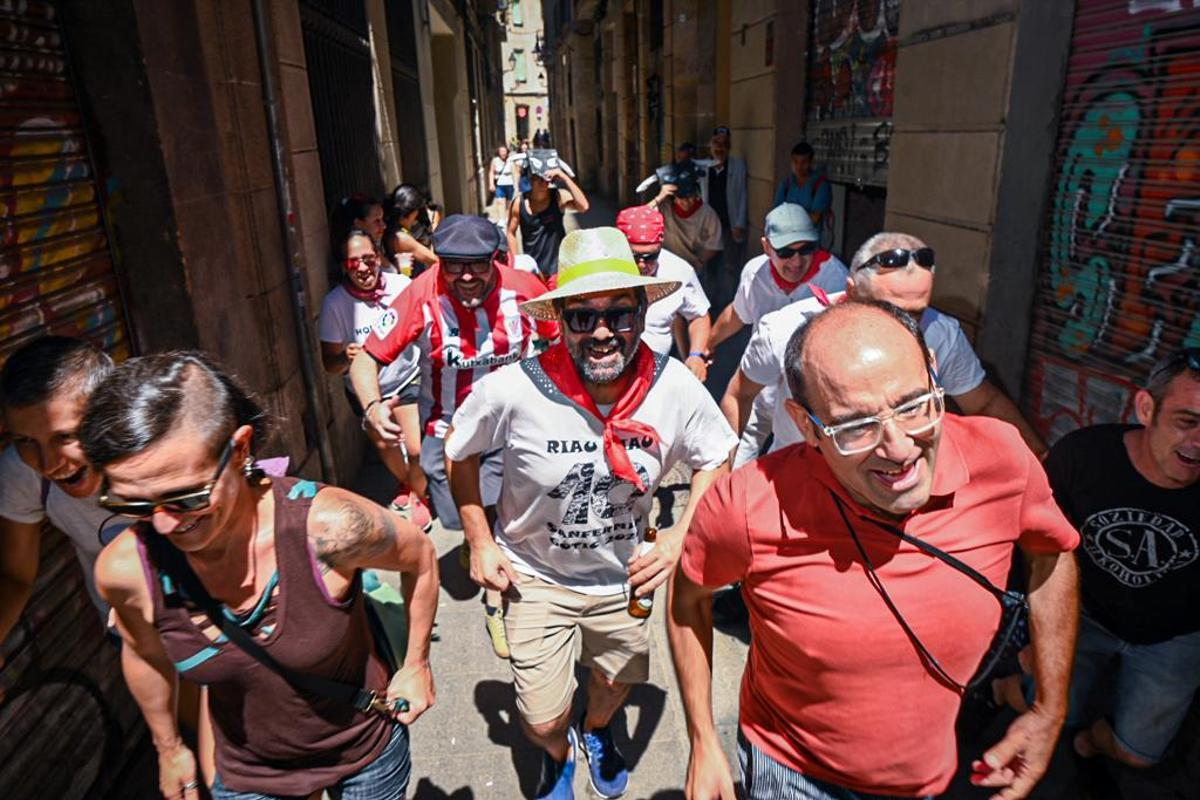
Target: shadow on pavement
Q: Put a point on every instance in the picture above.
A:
(454, 578)
(426, 790)
(497, 704)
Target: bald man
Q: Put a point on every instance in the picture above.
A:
(863, 641)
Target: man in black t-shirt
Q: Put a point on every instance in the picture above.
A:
(1134, 493)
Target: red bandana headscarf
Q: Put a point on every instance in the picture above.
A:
(641, 224)
(560, 367)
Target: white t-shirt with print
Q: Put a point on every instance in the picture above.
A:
(346, 319)
(688, 301)
(959, 370)
(80, 518)
(561, 515)
(758, 293)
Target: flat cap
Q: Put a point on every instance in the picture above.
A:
(466, 238)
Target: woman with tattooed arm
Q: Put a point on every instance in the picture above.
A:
(275, 564)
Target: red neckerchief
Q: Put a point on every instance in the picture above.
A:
(684, 214)
(560, 368)
(370, 296)
(814, 266)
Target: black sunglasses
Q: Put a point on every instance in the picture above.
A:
(806, 249)
(646, 258)
(457, 268)
(893, 259)
(620, 319)
(185, 501)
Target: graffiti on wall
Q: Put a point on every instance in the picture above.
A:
(1122, 282)
(851, 85)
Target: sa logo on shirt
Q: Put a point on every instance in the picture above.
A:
(383, 326)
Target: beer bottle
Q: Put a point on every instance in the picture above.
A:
(642, 606)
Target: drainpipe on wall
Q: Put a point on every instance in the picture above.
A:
(287, 224)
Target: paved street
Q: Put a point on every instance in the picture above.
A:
(470, 745)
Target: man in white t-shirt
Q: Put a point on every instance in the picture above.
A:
(692, 230)
(44, 387)
(643, 228)
(791, 268)
(589, 429)
(896, 268)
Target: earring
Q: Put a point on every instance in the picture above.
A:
(248, 468)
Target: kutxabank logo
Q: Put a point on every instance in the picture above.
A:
(1136, 546)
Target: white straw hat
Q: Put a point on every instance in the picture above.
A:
(596, 260)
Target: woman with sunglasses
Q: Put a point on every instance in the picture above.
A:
(223, 561)
(350, 310)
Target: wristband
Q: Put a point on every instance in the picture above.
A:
(697, 354)
(367, 408)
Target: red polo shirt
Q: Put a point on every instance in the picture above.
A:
(833, 688)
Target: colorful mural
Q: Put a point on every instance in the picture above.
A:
(1121, 275)
(851, 83)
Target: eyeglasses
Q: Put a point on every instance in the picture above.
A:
(185, 501)
(860, 435)
(806, 249)
(619, 319)
(371, 260)
(456, 268)
(646, 258)
(893, 259)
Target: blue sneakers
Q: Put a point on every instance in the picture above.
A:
(558, 779)
(606, 765)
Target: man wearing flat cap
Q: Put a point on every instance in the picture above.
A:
(590, 427)
(465, 318)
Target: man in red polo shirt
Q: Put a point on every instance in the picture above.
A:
(464, 317)
(838, 699)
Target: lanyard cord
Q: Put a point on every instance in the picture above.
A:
(927, 657)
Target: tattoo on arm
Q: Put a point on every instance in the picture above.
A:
(350, 535)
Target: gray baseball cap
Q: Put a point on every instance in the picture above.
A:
(788, 223)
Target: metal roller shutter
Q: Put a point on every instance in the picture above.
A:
(1120, 273)
(56, 271)
(851, 71)
(68, 727)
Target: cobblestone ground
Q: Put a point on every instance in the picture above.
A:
(470, 746)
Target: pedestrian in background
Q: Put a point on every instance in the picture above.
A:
(805, 186)
(500, 176)
(405, 208)
(725, 191)
(692, 230)
(356, 211)
(538, 216)
(348, 313)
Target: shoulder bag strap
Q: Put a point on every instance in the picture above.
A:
(928, 657)
(177, 567)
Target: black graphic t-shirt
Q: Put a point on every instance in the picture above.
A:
(1139, 570)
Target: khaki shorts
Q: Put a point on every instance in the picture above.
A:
(550, 627)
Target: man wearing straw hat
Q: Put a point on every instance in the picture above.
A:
(589, 428)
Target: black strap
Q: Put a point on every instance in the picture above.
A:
(926, 656)
(939, 554)
(171, 561)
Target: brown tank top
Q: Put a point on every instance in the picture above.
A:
(271, 738)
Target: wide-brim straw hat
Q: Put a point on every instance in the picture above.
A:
(596, 260)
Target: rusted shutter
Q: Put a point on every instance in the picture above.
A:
(1119, 284)
(56, 273)
(68, 727)
(852, 66)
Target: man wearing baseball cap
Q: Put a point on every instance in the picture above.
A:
(692, 230)
(643, 228)
(590, 427)
(792, 267)
(464, 316)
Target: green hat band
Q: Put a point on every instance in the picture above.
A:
(601, 265)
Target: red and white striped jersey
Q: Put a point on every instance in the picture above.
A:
(459, 345)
